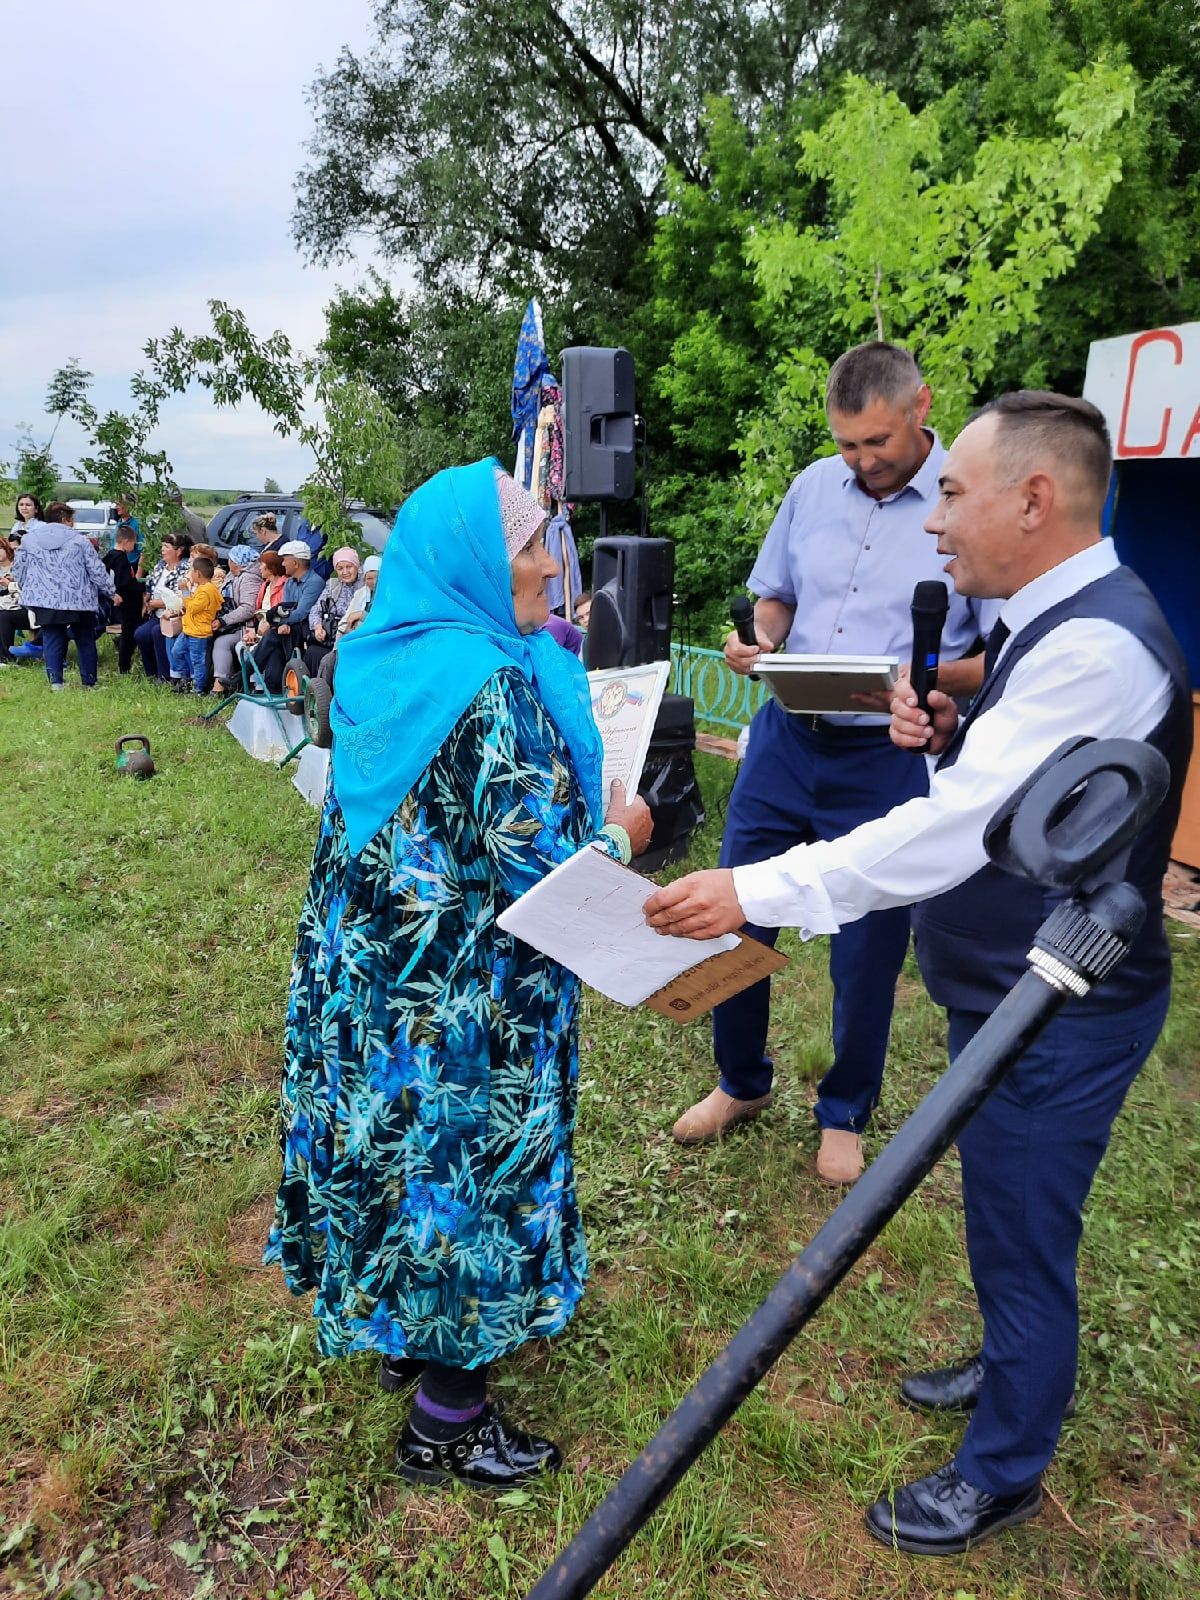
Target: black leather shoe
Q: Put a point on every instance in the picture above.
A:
(942, 1515)
(398, 1372)
(953, 1388)
(487, 1455)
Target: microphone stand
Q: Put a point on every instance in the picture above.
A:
(1114, 785)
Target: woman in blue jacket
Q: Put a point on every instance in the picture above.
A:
(61, 579)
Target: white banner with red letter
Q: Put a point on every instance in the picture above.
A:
(1148, 387)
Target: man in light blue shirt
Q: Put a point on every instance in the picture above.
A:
(835, 576)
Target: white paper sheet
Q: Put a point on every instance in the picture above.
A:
(625, 702)
(587, 915)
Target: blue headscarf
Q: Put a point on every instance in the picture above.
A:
(441, 624)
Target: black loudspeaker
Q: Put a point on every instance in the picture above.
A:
(669, 784)
(632, 583)
(599, 456)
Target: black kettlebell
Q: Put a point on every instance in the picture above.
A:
(135, 763)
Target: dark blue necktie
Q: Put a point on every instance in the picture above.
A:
(993, 647)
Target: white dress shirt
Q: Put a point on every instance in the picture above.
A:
(1087, 676)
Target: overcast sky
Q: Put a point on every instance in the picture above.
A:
(149, 153)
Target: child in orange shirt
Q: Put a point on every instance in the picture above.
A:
(201, 607)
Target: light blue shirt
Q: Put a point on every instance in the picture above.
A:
(849, 564)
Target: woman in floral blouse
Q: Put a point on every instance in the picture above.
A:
(429, 1089)
(167, 573)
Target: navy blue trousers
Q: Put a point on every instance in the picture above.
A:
(156, 661)
(795, 786)
(54, 646)
(1028, 1159)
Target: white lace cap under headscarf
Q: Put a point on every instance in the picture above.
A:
(520, 514)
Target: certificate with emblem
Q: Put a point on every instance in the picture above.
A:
(588, 916)
(625, 702)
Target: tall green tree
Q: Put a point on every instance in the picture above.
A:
(442, 362)
(1003, 63)
(509, 143)
(36, 472)
(354, 436)
(66, 395)
(950, 266)
(851, 221)
(123, 459)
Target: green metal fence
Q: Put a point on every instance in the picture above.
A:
(722, 696)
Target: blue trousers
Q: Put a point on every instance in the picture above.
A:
(1028, 1159)
(54, 643)
(795, 786)
(189, 659)
(156, 661)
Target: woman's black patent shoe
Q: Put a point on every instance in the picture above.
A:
(487, 1455)
(398, 1372)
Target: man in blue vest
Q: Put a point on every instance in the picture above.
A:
(835, 576)
(1080, 647)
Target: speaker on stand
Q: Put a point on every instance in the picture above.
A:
(632, 582)
(599, 425)
(632, 587)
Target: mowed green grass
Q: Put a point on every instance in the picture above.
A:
(167, 1426)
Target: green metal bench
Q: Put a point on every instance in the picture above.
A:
(254, 689)
(722, 696)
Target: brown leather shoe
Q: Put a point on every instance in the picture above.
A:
(712, 1117)
(840, 1158)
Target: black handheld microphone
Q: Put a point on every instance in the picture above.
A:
(742, 612)
(930, 602)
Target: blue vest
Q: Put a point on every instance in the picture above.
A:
(972, 941)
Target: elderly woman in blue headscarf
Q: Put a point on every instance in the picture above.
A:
(429, 1090)
(240, 589)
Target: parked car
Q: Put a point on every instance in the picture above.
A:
(233, 524)
(96, 519)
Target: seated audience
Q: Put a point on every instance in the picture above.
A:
(126, 519)
(363, 595)
(219, 572)
(267, 533)
(29, 510)
(239, 595)
(162, 606)
(300, 593)
(194, 527)
(332, 606)
(13, 615)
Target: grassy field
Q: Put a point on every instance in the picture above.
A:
(167, 1426)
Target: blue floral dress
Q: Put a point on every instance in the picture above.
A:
(429, 1086)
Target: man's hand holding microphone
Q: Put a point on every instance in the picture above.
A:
(914, 729)
(923, 718)
(757, 631)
